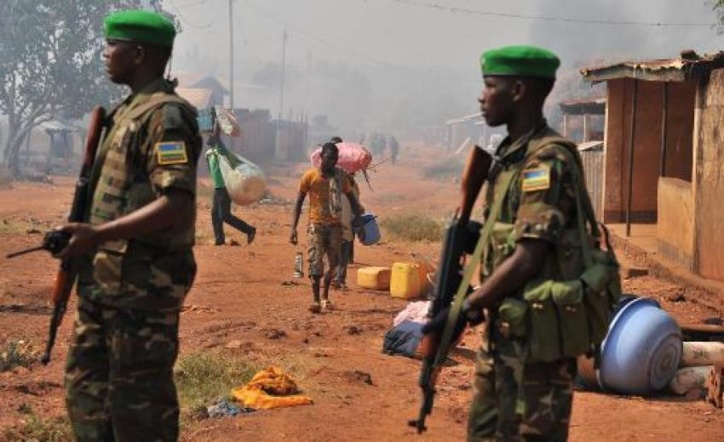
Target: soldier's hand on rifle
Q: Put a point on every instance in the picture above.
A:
(83, 238)
(293, 237)
(468, 315)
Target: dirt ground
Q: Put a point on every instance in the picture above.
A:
(243, 302)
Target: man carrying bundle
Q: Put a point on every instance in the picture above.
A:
(326, 186)
(221, 207)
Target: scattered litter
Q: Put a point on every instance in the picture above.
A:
(359, 376)
(290, 282)
(225, 408)
(354, 330)
(274, 333)
(193, 308)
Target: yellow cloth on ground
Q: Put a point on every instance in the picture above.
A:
(270, 388)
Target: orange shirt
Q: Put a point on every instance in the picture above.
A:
(318, 189)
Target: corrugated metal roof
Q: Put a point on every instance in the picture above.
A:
(199, 98)
(595, 106)
(590, 145)
(690, 65)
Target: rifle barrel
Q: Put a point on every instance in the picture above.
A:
(23, 252)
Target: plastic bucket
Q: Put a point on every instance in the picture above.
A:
(371, 230)
(642, 350)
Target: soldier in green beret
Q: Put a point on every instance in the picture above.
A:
(137, 263)
(524, 371)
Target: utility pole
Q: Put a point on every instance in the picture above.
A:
(281, 92)
(231, 55)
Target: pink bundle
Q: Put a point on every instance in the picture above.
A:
(353, 157)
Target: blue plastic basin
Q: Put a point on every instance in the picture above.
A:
(372, 230)
(642, 350)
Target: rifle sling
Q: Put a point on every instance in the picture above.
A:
(470, 267)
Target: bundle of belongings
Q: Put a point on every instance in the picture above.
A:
(406, 333)
(270, 388)
(244, 180)
(353, 157)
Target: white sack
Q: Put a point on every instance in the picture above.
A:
(246, 183)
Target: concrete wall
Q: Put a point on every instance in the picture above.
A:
(675, 227)
(647, 145)
(680, 130)
(709, 180)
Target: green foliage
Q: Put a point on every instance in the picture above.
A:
(36, 428)
(202, 378)
(18, 354)
(412, 228)
(718, 7)
(50, 63)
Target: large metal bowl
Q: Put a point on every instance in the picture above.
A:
(642, 350)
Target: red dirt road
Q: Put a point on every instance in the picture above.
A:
(239, 304)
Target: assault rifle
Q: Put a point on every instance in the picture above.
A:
(55, 241)
(458, 241)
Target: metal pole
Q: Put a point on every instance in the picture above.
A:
(231, 55)
(663, 129)
(631, 159)
(281, 92)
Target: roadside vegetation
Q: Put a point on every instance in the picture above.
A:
(204, 378)
(412, 228)
(36, 428)
(18, 353)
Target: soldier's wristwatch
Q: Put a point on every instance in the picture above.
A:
(473, 315)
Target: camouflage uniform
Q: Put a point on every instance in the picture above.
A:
(119, 371)
(515, 398)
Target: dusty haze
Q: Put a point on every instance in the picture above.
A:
(400, 65)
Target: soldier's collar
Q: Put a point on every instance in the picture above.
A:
(513, 151)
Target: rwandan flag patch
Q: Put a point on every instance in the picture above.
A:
(171, 152)
(536, 179)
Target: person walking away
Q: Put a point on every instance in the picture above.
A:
(521, 392)
(137, 263)
(326, 186)
(221, 206)
(394, 149)
(348, 234)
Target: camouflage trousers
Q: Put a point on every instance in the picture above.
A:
(324, 239)
(517, 401)
(119, 374)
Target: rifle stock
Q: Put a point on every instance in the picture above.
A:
(68, 270)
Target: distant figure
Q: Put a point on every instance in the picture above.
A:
(326, 186)
(348, 234)
(394, 149)
(221, 207)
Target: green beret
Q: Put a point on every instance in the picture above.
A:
(523, 61)
(140, 26)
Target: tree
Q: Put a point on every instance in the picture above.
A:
(51, 64)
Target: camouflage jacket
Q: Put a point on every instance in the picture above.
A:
(540, 202)
(152, 145)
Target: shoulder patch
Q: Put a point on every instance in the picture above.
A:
(536, 179)
(171, 152)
